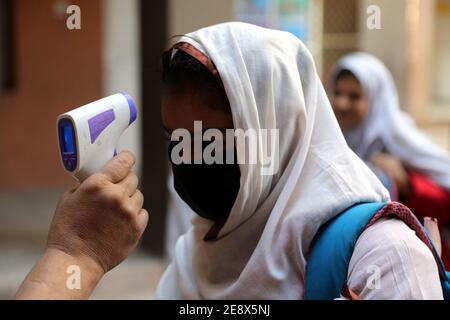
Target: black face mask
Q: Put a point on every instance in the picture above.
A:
(209, 189)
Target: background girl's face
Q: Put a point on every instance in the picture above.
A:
(349, 102)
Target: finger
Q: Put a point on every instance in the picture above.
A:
(130, 183)
(137, 199)
(118, 167)
(142, 220)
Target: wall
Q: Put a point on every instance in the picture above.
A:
(442, 53)
(205, 12)
(56, 70)
(407, 45)
(122, 65)
(389, 43)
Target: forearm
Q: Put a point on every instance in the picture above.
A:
(58, 275)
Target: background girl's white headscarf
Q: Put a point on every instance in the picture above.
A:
(387, 126)
(271, 82)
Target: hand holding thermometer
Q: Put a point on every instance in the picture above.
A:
(88, 135)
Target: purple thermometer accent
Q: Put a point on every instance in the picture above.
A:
(132, 106)
(98, 123)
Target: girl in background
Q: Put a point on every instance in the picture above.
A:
(414, 169)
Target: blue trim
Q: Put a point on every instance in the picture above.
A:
(67, 144)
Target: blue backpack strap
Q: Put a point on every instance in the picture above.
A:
(446, 286)
(329, 258)
(444, 275)
(327, 266)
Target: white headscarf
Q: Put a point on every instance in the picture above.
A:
(260, 253)
(177, 220)
(386, 126)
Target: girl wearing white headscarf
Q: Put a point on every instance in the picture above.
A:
(411, 166)
(259, 251)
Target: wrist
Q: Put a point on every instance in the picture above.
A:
(91, 269)
(60, 275)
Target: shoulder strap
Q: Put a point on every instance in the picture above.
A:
(326, 270)
(327, 267)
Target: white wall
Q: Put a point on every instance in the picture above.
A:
(121, 56)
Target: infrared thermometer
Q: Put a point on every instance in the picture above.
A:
(88, 135)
